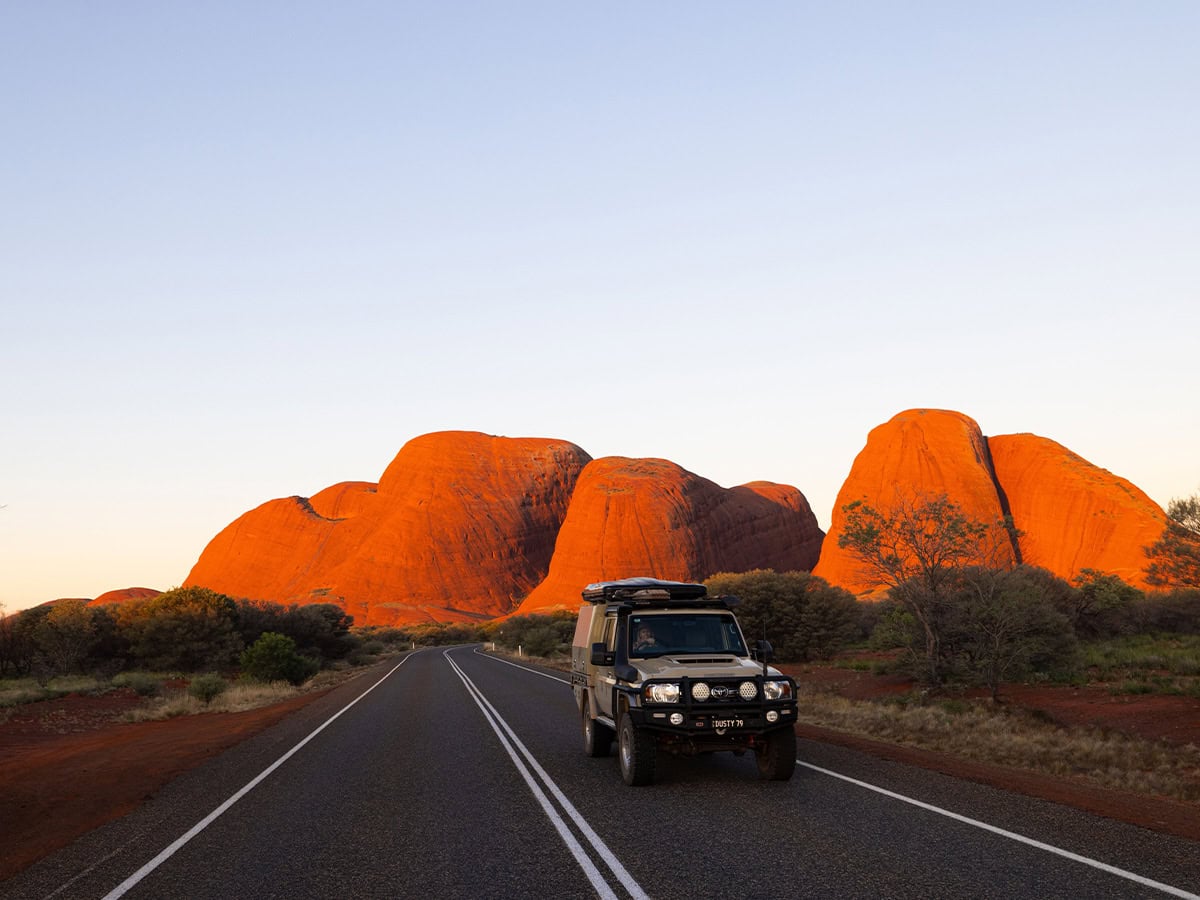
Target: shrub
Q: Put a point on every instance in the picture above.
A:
(273, 657)
(802, 615)
(537, 634)
(207, 688)
(1175, 611)
(185, 629)
(141, 683)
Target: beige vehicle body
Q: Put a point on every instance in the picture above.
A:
(660, 666)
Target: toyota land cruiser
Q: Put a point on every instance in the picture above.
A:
(660, 665)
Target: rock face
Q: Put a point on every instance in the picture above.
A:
(1074, 515)
(919, 452)
(632, 517)
(123, 595)
(459, 526)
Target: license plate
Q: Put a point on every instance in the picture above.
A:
(728, 723)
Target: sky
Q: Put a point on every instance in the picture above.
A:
(248, 250)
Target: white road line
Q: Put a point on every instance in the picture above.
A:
(1049, 848)
(509, 662)
(130, 882)
(497, 721)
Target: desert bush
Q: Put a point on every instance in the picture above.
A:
(803, 616)
(65, 636)
(1175, 556)
(185, 629)
(141, 683)
(207, 688)
(538, 634)
(1101, 605)
(273, 657)
(1175, 611)
(1000, 626)
(388, 634)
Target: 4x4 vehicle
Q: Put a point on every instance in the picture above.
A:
(660, 665)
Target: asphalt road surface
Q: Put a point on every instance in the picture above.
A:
(457, 774)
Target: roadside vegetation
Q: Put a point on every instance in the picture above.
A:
(1011, 736)
(187, 650)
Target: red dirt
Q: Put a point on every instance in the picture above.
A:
(67, 766)
(1170, 719)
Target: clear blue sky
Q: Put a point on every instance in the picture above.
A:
(247, 250)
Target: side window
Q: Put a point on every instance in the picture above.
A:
(610, 634)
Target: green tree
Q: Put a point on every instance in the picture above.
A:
(1101, 604)
(1002, 625)
(206, 688)
(538, 634)
(1175, 556)
(65, 635)
(187, 629)
(915, 548)
(21, 647)
(273, 657)
(802, 615)
(8, 643)
(321, 629)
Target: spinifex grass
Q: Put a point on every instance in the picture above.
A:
(16, 691)
(1016, 738)
(239, 697)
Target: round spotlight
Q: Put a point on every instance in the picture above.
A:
(700, 692)
(772, 716)
(676, 718)
(747, 690)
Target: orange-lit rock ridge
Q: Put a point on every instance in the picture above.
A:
(460, 525)
(123, 595)
(1072, 515)
(463, 526)
(633, 517)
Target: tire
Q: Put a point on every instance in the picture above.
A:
(777, 757)
(636, 751)
(597, 737)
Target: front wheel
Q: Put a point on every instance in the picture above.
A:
(777, 756)
(636, 750)
(597, 737)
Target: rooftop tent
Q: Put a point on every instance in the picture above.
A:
(643, 588)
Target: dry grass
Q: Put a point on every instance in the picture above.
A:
(239, 697)
(1017, 738)
(18, 691)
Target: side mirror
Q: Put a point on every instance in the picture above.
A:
(600, 655)
(763, 651)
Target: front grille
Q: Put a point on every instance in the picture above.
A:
(718, 691)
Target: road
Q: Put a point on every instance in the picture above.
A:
(458, 774)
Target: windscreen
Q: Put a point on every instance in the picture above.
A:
(679, 633)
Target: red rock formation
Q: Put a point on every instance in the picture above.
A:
(919, 452)
(633, 517)
(460, 525)
(123, 595)
(1074, 515)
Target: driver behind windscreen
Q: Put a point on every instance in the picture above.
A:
(646, 639)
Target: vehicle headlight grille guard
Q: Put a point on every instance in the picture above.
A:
(736, 688)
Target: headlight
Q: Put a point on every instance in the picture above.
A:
(777, 690)
(700, 692)
(747, 690)
(665, 692)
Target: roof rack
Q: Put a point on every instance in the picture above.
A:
(643, 589)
